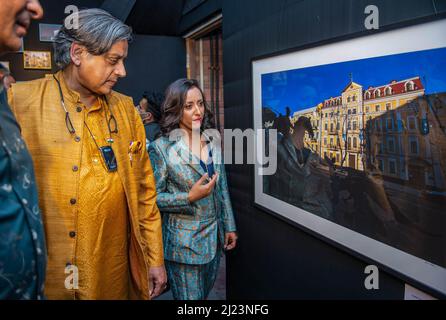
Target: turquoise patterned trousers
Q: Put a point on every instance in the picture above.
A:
(192, 282)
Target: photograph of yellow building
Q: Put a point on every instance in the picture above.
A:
(363, 143)
(388, 117)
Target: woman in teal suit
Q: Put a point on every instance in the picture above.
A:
(192, 193)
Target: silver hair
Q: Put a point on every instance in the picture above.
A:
(98, 31)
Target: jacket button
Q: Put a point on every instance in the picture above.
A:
(73, 201)
(77, 139)
(79, 109)
(72, 234)
(75, 168)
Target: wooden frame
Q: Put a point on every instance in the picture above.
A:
(37, 60)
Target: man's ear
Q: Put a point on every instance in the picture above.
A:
(76, 52)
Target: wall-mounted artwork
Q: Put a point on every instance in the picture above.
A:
(22, 47)
(40, 60)
(361, 147)
(6, 65)
(48, 32)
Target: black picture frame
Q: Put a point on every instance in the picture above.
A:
(424, 280)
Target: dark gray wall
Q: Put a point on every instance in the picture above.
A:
(119, 8)
(274, 259)
(153, 63)
(156, 17)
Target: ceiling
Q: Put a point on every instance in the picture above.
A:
(156, 17)
(152, 17)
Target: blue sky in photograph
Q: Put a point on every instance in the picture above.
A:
(305, 88)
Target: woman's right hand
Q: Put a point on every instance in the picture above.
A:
(201, 189)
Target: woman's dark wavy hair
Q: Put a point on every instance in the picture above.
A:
(172, 110)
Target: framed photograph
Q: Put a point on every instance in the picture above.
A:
(48, 32)
(361, 146)
(22, 47)
(6, 64)
(40, 60)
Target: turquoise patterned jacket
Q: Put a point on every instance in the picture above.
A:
(191, 231)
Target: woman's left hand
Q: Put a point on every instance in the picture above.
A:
(230, 241)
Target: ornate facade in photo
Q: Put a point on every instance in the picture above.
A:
(394, 130)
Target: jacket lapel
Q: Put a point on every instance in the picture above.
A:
(188, 157)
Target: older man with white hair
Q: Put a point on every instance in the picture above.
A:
(95, 179)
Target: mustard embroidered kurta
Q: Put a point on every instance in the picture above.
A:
(87, 210)
(102, 224)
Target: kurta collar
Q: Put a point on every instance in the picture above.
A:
(188, 157)
(68, 94)
(73, 97)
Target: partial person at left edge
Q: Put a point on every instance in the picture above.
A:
(22, 240)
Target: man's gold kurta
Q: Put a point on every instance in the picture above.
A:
(106, 224)
(102, 224)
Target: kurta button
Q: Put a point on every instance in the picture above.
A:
(73, 201)
(79, 109)
(24, 201)
(72, 234)
(77, 139)
(75, 168)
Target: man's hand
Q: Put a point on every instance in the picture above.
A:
(158, 281)
(230, 241)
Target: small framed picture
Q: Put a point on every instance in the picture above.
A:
(22, 47)
(48, 32)
(40, 60)
(5, 64)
